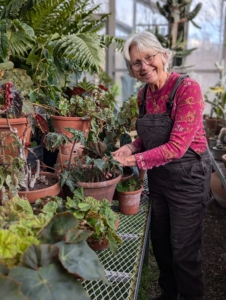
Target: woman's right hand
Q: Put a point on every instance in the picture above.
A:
(123, 151)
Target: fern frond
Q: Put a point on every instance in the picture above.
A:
(83, 47)
(106, 41)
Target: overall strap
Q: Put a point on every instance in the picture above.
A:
(142, 108)
(169, 103)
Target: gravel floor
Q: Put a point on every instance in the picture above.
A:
(213, 254)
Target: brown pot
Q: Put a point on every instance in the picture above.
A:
(53, 190)
(212, 127)
(20, 124)
(64, 159)
(98, 246)
(78, 123)
(100, 190)
(129, 202)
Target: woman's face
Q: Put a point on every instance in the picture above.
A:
(147, 66)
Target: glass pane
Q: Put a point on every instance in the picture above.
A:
(208, 40)
(104, 6)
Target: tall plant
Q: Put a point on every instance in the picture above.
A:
(177, 12)
(52, 39)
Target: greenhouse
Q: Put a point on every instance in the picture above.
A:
(112, 149)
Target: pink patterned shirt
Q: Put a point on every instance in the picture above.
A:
(187, 115)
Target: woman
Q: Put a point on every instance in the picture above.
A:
(172, 146)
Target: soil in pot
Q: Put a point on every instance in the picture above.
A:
(48, 185)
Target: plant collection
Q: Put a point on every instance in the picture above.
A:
(45, 48)
(51, 261)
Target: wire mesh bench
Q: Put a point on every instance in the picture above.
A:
(123, 270)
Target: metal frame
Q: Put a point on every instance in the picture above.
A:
(123, 270)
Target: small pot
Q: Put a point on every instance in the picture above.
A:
(98, 246)
(129, 202)
(217, 153)
(53, 190)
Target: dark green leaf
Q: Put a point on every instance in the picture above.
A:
(75, 235)
(56, 229)
(82, 260)
(37, 256)
(51, 282)
(10, 289)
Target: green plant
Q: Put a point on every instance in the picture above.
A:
(52, 40)
(96, 218)
(177, 14)
(54, 263)
(129, 185)
(93, 165)
(218, 103)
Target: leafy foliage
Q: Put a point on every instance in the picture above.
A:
(129, 185)
(51, 40)
(96, 219)
(43, 269)
(177, 13)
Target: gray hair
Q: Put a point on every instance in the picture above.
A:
(145, 41)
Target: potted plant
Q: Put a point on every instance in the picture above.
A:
(128, 194)
(53, 246)
(95, 217)
(19, 177)
(216, 119)
(92, 169)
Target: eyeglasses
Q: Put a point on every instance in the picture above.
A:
(148, 61)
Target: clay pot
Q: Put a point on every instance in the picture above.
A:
(100, 190)
(212, 127)
(20, 124)
(129, 202)
(78, 123)
(98, 246)
(64, 159)
(53, 190)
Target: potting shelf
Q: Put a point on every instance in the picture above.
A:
(123, 270)
(219, 167)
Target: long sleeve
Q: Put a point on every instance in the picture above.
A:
(187, 131)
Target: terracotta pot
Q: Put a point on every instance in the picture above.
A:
(212, 127)
(100, 190)
(59, 123)
(129, 202)
(53, 190)
(64, 159)
(98, 246)
(20, 124)
(217, 189)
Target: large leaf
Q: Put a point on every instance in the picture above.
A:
(51, 282)
(10, 289)
(4, 269)
(82, 260)
(75, 235)
(56, 229)
(8, 244)
(37, 256)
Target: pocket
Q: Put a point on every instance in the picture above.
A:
(193, 174)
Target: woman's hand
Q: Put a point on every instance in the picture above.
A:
(126, 161)
(124, 151)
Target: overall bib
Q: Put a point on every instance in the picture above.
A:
(179, 193)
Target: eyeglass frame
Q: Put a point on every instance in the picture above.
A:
(143, 60)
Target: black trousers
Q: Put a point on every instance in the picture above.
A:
(179, 195)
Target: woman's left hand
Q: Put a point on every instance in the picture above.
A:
(126, 161)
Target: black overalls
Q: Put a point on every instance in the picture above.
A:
(179, 193)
